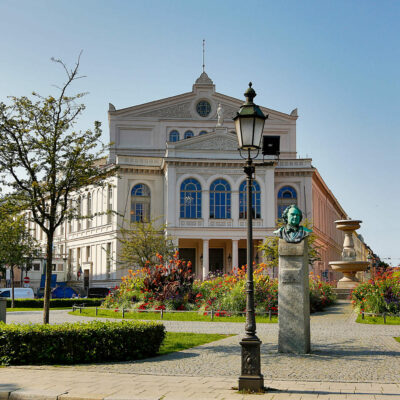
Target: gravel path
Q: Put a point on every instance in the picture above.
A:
(342, 350)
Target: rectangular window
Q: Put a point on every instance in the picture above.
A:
(108, 264)
(87, 253)
(89, 211)
(60, 267)
(109, 204)
(36, 267)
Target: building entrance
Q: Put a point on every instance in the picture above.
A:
(242, 257)
(216, 260)
(188, 254)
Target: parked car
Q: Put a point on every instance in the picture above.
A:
(19, 293)
(98, 292)
(59, 292)
(63, 292)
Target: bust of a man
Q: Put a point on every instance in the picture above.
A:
(292, 232)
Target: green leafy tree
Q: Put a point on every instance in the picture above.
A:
(43, 159)
(270, 247)
(141, 242)
(17, 246)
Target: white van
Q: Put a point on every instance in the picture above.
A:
(19, 293)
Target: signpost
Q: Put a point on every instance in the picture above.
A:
(27, 280)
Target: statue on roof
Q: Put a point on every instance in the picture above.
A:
(220, 115)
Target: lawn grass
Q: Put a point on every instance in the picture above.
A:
(178, 341)
(369, 319)
(397, 338)
(35, 309)
(168, 316)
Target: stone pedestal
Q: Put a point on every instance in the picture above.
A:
(3, 309)
(293, 298)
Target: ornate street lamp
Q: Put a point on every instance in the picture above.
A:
(249, 124)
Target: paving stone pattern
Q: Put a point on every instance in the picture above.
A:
(342, 351)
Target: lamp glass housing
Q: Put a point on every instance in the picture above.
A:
(249, 123)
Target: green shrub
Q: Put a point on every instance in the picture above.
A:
(68, 343)
(38, 303)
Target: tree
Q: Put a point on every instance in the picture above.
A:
(141, 242)
(43, 160)
(270, 248)
(17, 246)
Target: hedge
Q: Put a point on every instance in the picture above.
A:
(38, 303)
(72, 343)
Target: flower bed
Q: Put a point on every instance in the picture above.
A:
(379, 295)
(172, 287)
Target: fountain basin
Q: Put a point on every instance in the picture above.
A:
(348, 224)
(349, 270)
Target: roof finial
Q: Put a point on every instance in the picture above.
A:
(204, 44)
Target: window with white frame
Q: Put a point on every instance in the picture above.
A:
(173, 136)
(190, 199)
(140, 203)
(286, 197)
(109, 204)
(220, 199)
(89, 210)
(255, 200)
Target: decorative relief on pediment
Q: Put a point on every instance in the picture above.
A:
(229, 112)
(176, 111)
(218, 143)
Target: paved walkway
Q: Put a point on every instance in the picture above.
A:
(348, 361)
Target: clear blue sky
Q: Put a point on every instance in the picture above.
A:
(336, 61)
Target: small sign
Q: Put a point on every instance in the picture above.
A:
(27, 279)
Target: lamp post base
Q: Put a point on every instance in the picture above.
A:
(251, 378)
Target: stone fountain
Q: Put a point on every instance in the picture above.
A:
(349, 266)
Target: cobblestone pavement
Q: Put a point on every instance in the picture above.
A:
(342, 351)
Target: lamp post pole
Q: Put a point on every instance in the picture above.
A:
(250, 314)
(250, 378)
(249, 124)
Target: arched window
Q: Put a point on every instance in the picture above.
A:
(220, 199)
(190, 199)
(255, 200)
(140, 203)
(286, 196)
(188, 134)
(173, 136)
(203, 132)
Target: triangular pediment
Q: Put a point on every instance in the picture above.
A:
(219, 140)
(183, 106)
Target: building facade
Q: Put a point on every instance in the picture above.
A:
(179, 164)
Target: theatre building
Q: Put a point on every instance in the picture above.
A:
(179, 162)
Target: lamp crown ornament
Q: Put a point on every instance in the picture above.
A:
(250, 93)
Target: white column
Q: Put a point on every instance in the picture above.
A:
(235, 208)
(269, 204)
(205, 205)
(171, 197)
(206, 267)
(235, 253)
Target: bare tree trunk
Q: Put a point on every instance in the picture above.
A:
(12, 286)
(47, 287)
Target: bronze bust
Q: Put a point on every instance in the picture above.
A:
(292, 232)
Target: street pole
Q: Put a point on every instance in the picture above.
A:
(251, 378)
